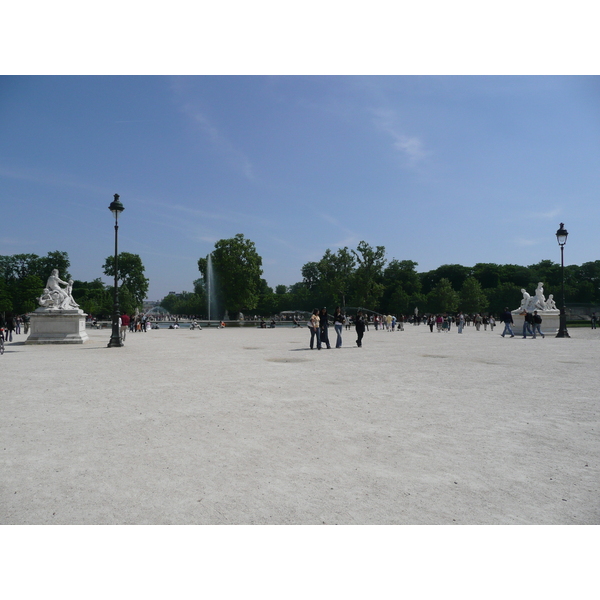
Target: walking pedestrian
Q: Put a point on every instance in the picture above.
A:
(527, 322)
(10, 327)
(431, 322)
(315, 330)
(124, 325)
(359, 323)
(537, 322)
(324, 326)
(338, 324)
(508, 321)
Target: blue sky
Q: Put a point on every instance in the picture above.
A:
(438, 169)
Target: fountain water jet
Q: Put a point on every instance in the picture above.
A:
(210, 286)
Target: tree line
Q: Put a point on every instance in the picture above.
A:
(357, 277)
(364, 277)
(23, 278)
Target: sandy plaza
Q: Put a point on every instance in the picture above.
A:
(249, 426)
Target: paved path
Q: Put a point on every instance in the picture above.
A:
(249, 426)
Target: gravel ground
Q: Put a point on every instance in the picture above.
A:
(249, 426)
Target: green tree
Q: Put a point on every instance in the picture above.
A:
(93, 297)
(53, 260)
(6, 304)
(505, 295)
(367, 287)
(401, 281)
(589, 273)
(300, 297)
(517, 275)
(337, 271)
(488, 274)
(455, 274)
(26, 294)
(238, 269)
(472, 298)
(131, 275)
(19, 266)
(442, 298)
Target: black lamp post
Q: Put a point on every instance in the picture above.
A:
(116, 208)
(561, 237)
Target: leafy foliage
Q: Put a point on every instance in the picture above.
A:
(238, 269)
(131, 275)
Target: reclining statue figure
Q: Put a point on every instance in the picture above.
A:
(55, 296)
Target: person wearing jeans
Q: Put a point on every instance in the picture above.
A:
(508, 321)
(537, 322)
(338, 324)
(315, 329)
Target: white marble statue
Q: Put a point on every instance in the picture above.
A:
(526, 303)
(537, 302)
(550, 304)
(57, 297)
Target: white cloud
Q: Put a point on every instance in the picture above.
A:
(549, 214)
(233, 154)
(411, 147)
(525, 242)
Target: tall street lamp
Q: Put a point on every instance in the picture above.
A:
(116, 208)
(561, 237)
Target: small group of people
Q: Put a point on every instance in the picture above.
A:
(319, 328)
(532, 322)
(388, 322)
(11, 324)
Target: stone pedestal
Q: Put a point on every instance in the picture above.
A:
(54, 326)
(550, 322)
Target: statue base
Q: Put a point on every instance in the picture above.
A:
(550, 321)
(54, 326)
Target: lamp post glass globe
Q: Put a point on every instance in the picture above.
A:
(116, 208)
(561, 235)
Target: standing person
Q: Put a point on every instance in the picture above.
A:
(439, 321)
(537, 322)
(508, 321)
(477, 321)
(401, 323)
(431, 322)
(359, 323)
(527, 323)
(124, 325)
(324, 326)
(10, 327)
(338, 324)
(492, 322)
(461, 322)
(593, 320)
(315, 329)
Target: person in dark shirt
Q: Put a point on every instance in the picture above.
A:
(527, 323)
(508, 321)
(359, 323)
